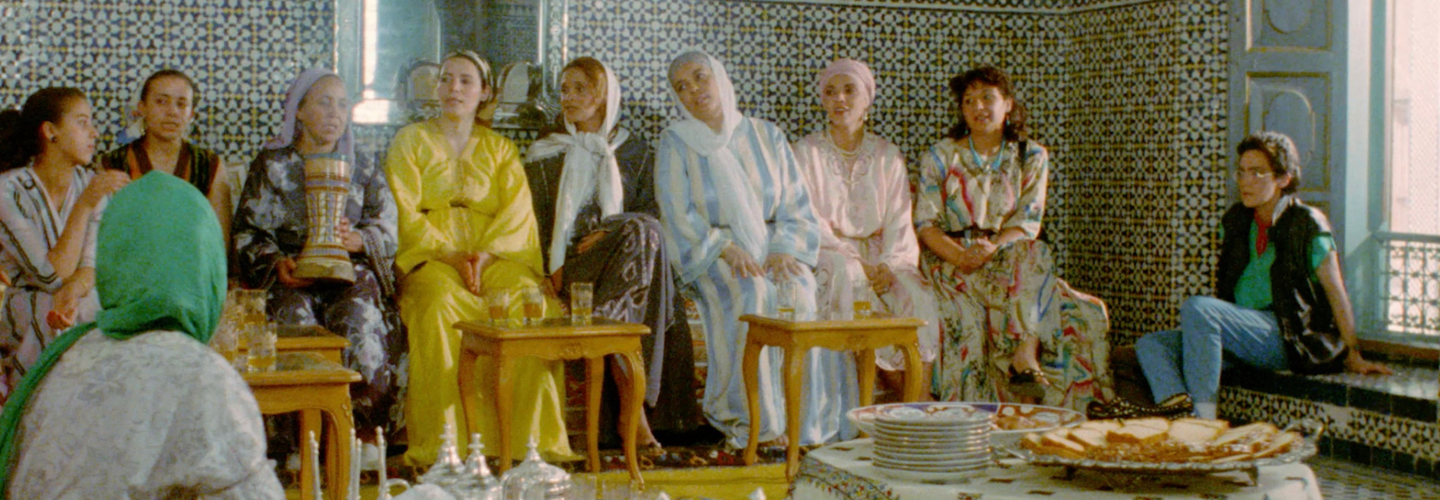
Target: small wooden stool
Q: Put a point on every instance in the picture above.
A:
(862, 336)
(556, 339)
(310, 384)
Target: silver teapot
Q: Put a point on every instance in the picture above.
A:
(534, 479)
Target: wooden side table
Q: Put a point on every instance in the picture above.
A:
(862, 336)
(310, 384)
(556, 339)
(312, 338)
(316, 339)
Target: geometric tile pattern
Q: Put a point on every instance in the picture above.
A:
(1340, 480)
(1129, 96)
(242, 54)
(1145, 176)
(1362, 436)
(1130, 100)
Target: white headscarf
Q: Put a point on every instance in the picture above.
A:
(740, 206)
(590, 167)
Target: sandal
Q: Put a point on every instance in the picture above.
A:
(1029, 382)
(1176, 406)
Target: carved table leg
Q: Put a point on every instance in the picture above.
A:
(913, 374)
(504, 385)
(633, 398)
(865, 367)
(594, 381)
(794, 381)
(469, 404)
(750, 365)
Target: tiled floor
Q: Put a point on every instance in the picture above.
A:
(1341, 480)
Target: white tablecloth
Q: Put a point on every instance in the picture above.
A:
(843, 471)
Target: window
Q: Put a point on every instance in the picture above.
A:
(1411, 250)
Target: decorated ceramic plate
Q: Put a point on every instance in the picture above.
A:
(919, 415)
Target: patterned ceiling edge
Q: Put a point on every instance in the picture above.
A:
(1051, 7)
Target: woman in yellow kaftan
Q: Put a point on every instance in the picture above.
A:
(467, 225)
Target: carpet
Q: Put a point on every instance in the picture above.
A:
(717, 483)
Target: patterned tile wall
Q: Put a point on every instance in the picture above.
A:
(1145, 173)
(1130, 100)
(242, 53)
(1129, 96)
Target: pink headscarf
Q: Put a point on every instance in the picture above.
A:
(851, 67)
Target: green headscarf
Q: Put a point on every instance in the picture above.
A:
(159, 265)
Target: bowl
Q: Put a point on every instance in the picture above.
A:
(1043, 418)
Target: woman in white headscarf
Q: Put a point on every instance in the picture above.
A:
(593, 189)
(861, 193)
(732, 200)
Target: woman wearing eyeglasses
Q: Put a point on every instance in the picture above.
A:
(1280, 303)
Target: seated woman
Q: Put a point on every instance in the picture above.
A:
(168, 99)
(1280, 303)
(731, 197)
(467, 226)
(50, 207)
(1012, 328)
(135, 405)
(270, 230)
(593, 188)
(859, 187)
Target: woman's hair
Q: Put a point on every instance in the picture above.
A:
(1279, 150)
(170, 73)
(20, 139)
(1015, 128)
(595, 71)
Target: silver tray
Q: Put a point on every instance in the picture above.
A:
(1305, 448)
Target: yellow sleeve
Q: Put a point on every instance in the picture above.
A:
(420, 241)
(513, 234)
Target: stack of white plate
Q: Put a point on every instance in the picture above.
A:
(932, 441)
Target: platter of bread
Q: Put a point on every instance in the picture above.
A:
(1157, 445)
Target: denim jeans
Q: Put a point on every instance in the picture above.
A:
(1212, 332)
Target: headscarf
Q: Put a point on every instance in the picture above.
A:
(160, 265)
(740, 207)
(851, 67)
(590, 167)
(290, 125)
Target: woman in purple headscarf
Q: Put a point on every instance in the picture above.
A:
(270, 229)
(861, 193)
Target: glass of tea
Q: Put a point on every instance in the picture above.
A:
(787, 294)
(534, 305)
(861, 289)
(497, 301)
(261, 354)
(582, 298)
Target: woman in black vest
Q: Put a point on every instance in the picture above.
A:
(1280, 303)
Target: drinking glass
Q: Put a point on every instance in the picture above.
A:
(861, 289)
(534, 305)
(497, 300)
(787, 293)
(582, 297)
(261, 355)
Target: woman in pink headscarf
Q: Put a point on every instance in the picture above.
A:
(861, 195)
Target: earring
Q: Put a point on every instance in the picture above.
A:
(54, 139)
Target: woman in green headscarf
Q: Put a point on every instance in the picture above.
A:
(135, 404)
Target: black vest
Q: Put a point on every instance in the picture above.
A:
(1307, 324)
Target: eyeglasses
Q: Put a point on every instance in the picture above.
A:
(1244, 174)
